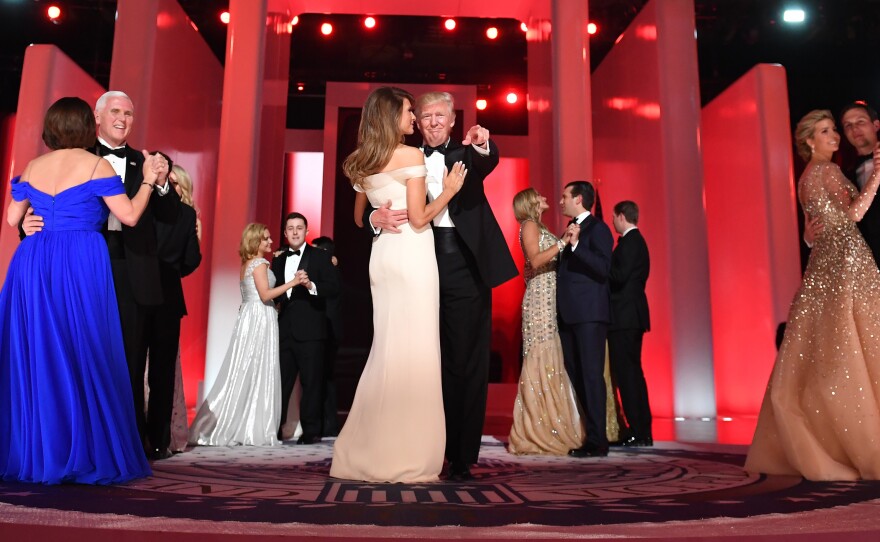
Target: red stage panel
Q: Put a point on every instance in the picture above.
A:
(646, 132)
(752, 228)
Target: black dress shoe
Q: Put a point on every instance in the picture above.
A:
(635, 442)
(310, 439)
(589, 451)
(158, 455)
(459, 473)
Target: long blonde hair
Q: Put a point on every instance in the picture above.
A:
(378, 134)
(184, 181)
(525, 206)
(805, 129)
(251, 238)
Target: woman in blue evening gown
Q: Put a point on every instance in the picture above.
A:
(65, 400)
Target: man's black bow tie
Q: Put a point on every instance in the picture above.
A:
(104, 150)
(572, 221)
(864, 158)
(292, 252)
(431, 150)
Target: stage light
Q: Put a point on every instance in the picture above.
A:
(300, 87)
(794, 15)
(54, 13)
(524, 27)
(491, 32)
(295, 20)
(326, 29)
(482, 104)
(370, 22)
(512, 97)
(592, 28)
(224, 17)
(449, 24)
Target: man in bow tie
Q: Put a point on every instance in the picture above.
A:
(302, 324)
(583, 303)
(860, 125)
(136, 274)
(472, 258)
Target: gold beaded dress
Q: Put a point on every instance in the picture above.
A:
(546, 419)
(821, 417)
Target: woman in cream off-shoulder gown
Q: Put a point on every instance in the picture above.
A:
(395, 431)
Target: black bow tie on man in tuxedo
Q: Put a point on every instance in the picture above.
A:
(104, 150)
(573, 221)
(863, 158)
(291, 252)
(429, 150)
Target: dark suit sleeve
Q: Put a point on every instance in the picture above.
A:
(278, 271)
(327, 280)
(594, 252)
(483, 165)
(368, 210)
(165, 208)
(192, 254)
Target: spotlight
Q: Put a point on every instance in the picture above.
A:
(794, 15)
(592, 28)
(449, 24)
(54, 13)
(524, 27)
(300, 87)
(512, 97)
(326, 29)
(370, 22)
(481, 104)
(224, 17)
(295, 20)
(491, 32)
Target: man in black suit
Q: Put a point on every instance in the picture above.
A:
(134, 258)
(860, 126)
(330, 423)
(630, 265)
(302, 323)
(583, 302)
(472, 258)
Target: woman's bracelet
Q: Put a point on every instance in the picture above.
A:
(560, 245)
(151, 185)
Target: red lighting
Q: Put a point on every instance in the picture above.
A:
(326, 29)
(370, 22)
(512, 97)
(53, 12)
(524, 27)
(449, 24)
(482, 104)
(592, 28)
(491, 32)
(224, 17)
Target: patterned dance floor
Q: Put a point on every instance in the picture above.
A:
(291, 484)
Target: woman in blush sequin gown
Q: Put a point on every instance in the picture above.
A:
(244, 404)
(395, 431)
(821, 413)
(546, 419)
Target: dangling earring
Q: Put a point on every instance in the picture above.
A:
(812, 148)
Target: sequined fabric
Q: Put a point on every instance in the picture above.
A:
(546, 419)
(244, 404)
(820, 417)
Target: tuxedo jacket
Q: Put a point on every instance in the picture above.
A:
(582, 292)
(303, 316)
(139, 241)
(630, 265)
(869, 225)
(473, 217)
(179, 255)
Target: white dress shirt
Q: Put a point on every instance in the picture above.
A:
(436, 164)
(579, 219)
(292, 265)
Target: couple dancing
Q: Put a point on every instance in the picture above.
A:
(431, 289)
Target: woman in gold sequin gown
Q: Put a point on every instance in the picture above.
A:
(821, 413)
(546, 419)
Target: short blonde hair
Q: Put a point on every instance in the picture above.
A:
(184, 181)
(251, 238)
(525, 205)
(805, 129)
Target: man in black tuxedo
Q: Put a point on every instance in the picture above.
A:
(630, 265)
(330, 423)
(860, 126)
(302, 323)
(134, 258)
(472, 258)
(583, 302)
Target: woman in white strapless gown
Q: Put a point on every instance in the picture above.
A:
(243, 406)
(395, 431)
